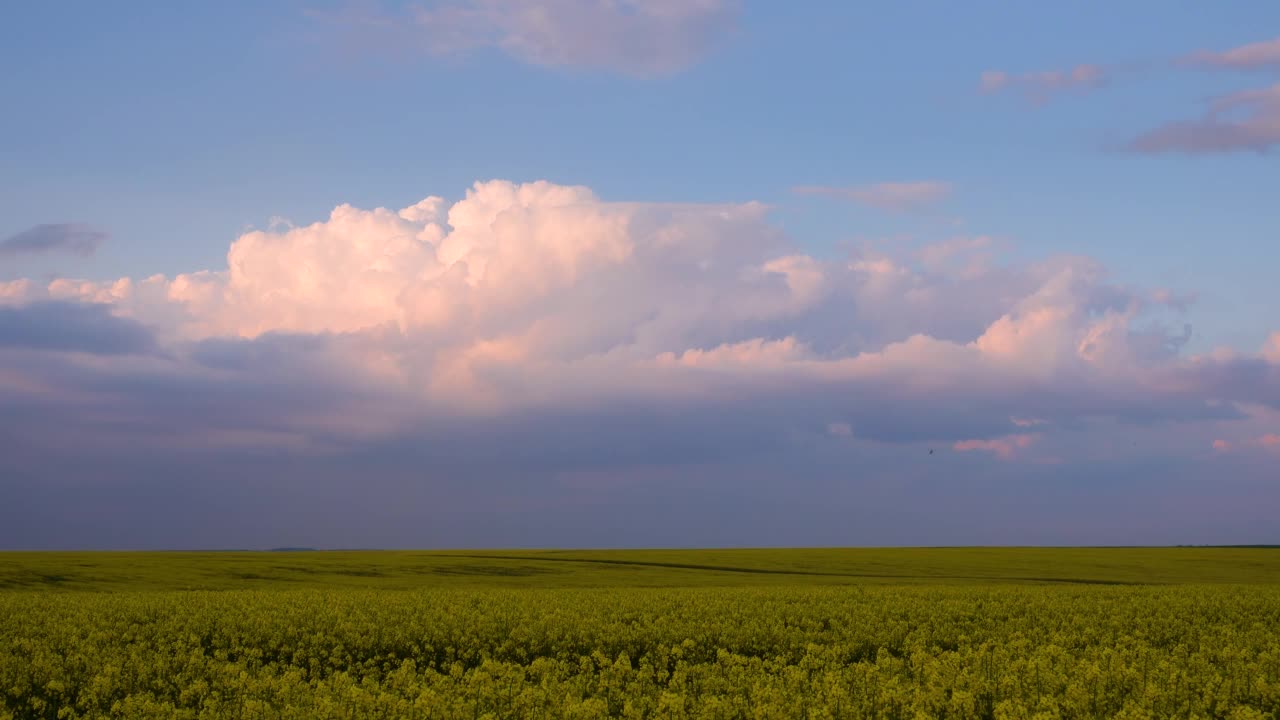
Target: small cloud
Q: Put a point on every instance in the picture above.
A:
(889, 196)
(1269, 441)
(74, 238)
(15, 291)
(1246, 57)
(1040, 87)
(939, 253)
(840, 429)
(993, 81)
(1271, 350)
(1247, 120)
(633, 37)
(1179, 301)
(1004, 448)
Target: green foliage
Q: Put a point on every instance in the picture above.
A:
(756, 647)
(114, 571)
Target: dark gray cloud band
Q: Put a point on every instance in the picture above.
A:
(72, 327)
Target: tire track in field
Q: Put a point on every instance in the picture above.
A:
(802, 573)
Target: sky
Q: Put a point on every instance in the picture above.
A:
(638, 273)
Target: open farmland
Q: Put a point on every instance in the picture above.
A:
(960, 633)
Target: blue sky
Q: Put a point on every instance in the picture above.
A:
(173, 129)
(177, 126)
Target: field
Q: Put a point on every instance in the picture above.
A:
(822, 633)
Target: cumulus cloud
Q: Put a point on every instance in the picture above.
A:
(531, 330)
(1263, 54)
(890, 196)
(635, 37)
(73, 238)
(1246, 120)
(543, 298)
(1041, 86)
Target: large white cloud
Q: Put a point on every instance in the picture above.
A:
(540, 298)
(535, 359)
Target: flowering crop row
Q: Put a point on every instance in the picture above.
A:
(817, 652)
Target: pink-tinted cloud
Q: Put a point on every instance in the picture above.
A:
(964, 256)
(1179, 301)
(543, 303)
(840, 429)
(1244, 121)
(1271, 350)
(450, 351)
(635, 37)
(15, 291)
(940, 252)
(890, 196)
(1041, 86)
(1003, 447)
(993, 81)
(1268, 441)
(1246, 57)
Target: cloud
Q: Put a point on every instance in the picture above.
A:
(1246, 120)
(634, 37)
(541, 298)
(71, 327)
(1271, 350)
(58, 237)
(889, 196)
(840, 429)
(967, 255)
(1268, 441)
(1040, 87)
(1246, 57)
(467, 354)
(1004, 448)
